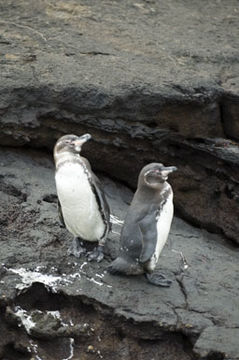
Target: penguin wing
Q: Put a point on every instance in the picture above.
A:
(99, 193)
(60, 214)
(139, 235)
(148, 228)
(100, 197)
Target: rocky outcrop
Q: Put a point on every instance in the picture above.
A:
(56, 306)
(151, 80)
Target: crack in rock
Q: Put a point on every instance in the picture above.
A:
(179, 279)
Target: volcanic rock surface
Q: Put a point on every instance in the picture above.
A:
(54, 306)
(151, 80)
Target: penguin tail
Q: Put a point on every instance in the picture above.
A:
(124, 266)
(118, 266)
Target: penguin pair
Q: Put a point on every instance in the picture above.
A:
(84, 211)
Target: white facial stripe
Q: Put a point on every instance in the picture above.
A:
(147, 173)
(63, 157)
(60, 142)
(78, 148)
(165, 173)
(63, 153)
(166, 188)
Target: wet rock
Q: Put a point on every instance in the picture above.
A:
(212, 339)
(125, 315)
(139, 76)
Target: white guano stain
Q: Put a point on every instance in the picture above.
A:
(100, 275)
(26, 319)
(95, 281)
(34, 349)
(82, 265)
(71, 350)
(29, 277)
(52, 282)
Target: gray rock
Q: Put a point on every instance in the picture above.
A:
(152, 81)
(213, 337)
(230, 112)
(37, 275)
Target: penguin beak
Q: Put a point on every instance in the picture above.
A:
(161, 174)
(169, 169)
(165, 170)
(81, 140)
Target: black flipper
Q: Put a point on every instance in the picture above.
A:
(60, 214)
(138, 242)
(101, 200)
(148, 228)
(125, 266)
(139, 236)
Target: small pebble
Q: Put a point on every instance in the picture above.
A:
(91, 349)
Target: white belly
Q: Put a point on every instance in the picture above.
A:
(79, 206)
(163, 227)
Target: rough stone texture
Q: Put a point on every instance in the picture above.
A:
(213, 338)
(230, 114)
(151, 80)
(85, 312)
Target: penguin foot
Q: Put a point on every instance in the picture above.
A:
(158, 280)
(76, 248)
(96, 255)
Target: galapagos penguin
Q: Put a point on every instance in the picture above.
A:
(147, 224)
(82, 205)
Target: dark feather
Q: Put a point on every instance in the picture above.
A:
(148, 227)
(60, 214)
(101, 200)
(100, 196)
(139, 234)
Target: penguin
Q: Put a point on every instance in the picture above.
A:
(82, 205)
(147, 225)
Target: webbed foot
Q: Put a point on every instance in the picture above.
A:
(96, 255)
(158, 280)
(76, 248)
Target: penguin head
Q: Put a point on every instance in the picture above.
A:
(71, 143)
(155, 174)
